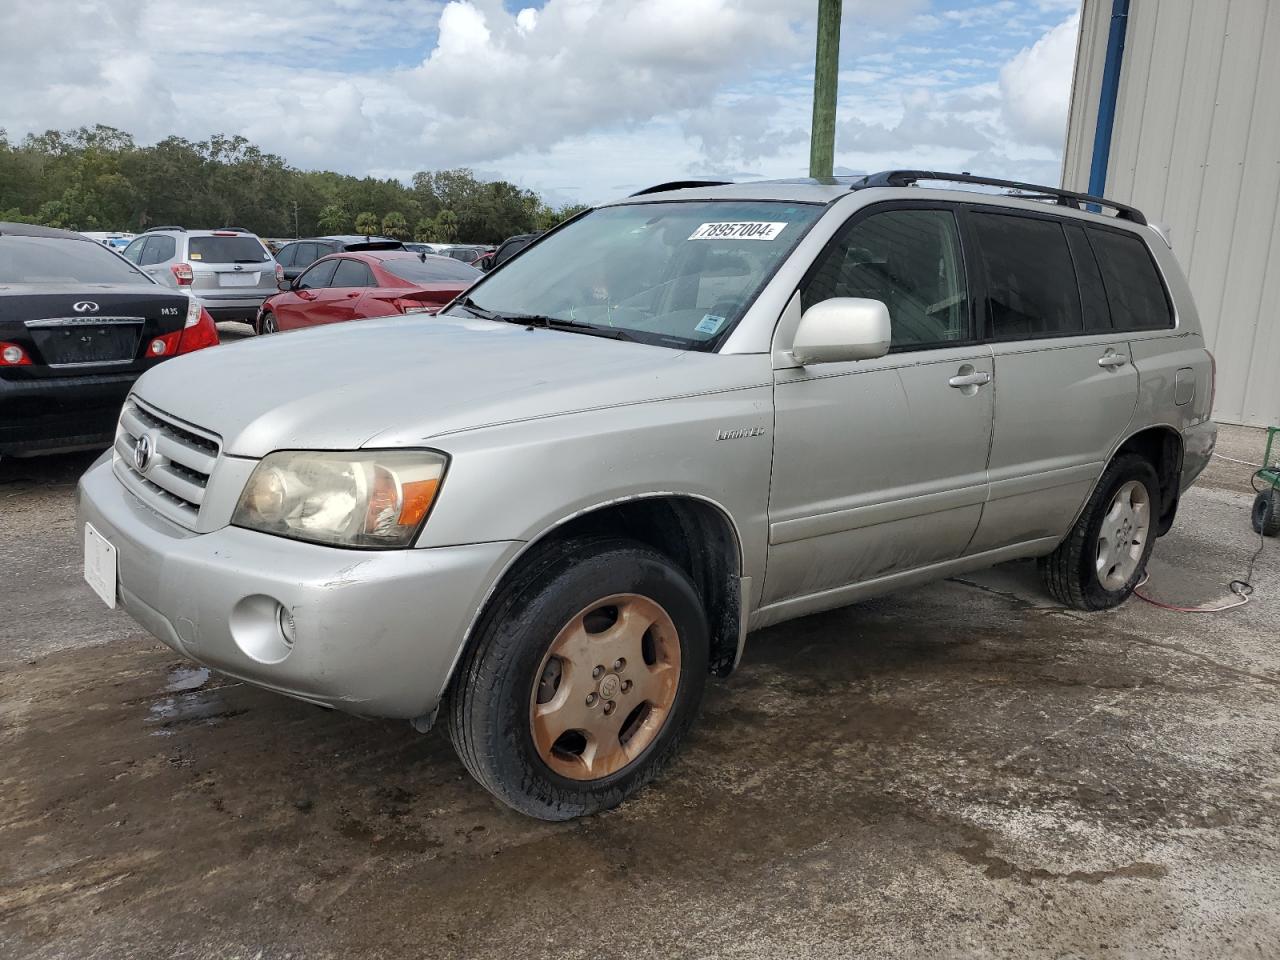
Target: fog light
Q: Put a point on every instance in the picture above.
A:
(287, 627)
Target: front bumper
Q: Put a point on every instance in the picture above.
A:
(375, 633)
(60, 413)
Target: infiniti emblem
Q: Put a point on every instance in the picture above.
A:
(85, 306)
(142, 454)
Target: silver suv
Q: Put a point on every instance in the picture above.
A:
(230, 271)
(551, 511)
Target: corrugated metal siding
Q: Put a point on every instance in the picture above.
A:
(1196, 145)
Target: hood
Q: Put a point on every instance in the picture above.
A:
(401, 381)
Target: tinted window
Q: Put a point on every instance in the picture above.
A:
(1031, 284)
(1093, 298)
(159, 250)
(431, 270)
(226, 250)
(55, 260)
(133, 252)
(318, 276)
(285, 256)
(1134, 289)
(510, 248)
(908, 259)
(351, 273)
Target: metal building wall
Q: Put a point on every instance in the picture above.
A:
(1196, 146)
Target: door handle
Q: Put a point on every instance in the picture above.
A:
(976, 379)
(1111, 360)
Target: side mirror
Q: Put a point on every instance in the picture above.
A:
(284, 285)
(842, 328)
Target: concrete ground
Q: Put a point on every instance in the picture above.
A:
(963, 770)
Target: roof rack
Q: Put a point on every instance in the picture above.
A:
(153, 229)
(1064, 198)
(680, 185)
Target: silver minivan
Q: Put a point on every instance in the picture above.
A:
(550, 512)
(230, 271)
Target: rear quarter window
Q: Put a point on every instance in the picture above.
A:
(1135, 292)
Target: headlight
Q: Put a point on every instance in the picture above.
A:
(373, 498)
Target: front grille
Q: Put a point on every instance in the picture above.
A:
(175, 475)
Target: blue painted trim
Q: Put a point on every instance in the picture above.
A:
(1107, 98)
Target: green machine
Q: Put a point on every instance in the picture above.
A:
(1266, 505)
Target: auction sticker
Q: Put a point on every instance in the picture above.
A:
(738, 230)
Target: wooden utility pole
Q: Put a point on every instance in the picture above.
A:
(822, 138)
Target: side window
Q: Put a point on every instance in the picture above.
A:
(908, 259)
(318, 276)
(351, 273)
(285, 256)
(159, 250)
(1134, 288)
(1031, 282)
(1093, 296)
(133, 252)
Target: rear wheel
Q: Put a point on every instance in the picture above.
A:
(1266, 513)
(585, 675)
(1105, 555)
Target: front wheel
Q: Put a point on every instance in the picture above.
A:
(586, 673)
(268, 323)
(1105, 555)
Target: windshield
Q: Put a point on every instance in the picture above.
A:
(226, 250)
(676, 273)
(56, 260)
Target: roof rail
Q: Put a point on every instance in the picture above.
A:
(680, 185)
(1064, 198)
(153, 229)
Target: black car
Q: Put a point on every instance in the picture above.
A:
(297, 256)
(507, 249)
(78, 324)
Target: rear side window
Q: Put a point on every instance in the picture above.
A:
(226, 250)
(351, 273)
(1093, 296)
(1031, 283)
(133, 252)
(285, 256)
(159, 250)
(1134, 289)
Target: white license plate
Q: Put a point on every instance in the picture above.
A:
(238, 279)
(100, 565)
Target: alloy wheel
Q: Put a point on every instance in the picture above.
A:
(1123, 536)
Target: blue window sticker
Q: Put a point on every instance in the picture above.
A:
(709, 324)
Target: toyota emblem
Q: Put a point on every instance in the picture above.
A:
(142, 454)
(85, 306)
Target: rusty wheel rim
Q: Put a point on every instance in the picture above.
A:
(605, 687)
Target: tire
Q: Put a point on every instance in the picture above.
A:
(268, 324)
(1078, 573)
(532, 670)
(1266, 513)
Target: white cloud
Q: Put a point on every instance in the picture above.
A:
(1036, 85)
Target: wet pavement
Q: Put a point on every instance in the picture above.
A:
(963, 770)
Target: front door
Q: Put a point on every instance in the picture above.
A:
(880, 466)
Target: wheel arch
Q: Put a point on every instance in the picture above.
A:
(696, 533)
(1162, 446)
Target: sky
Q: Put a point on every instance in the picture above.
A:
(580, 100)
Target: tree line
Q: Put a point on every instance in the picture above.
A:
(98, 178)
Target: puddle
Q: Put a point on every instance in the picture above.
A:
(186, 678)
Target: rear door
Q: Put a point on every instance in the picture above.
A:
(1065, 383)
(227, 264)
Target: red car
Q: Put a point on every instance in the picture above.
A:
(372, 283)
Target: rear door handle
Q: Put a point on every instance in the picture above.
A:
(1111, 360)
(975, 379)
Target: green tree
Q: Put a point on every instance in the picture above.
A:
(395, 226)
(333, 218)
(366, 224)
(425, 231)
(446, 226)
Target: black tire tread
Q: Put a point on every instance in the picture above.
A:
(1270, 526)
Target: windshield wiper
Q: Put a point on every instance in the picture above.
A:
(479, 311)
(549, 323)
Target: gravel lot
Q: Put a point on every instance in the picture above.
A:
(962, 770)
